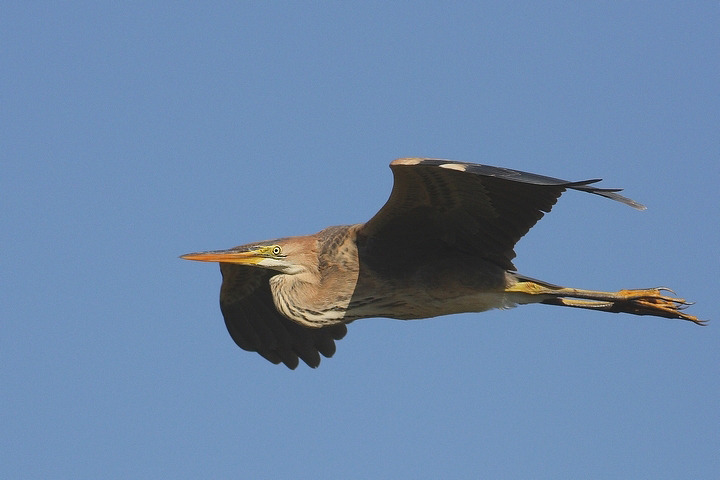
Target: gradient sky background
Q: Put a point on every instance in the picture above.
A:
(132, 134)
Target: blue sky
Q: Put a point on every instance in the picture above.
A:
(133, 133)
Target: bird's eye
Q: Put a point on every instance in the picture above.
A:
(276, 250)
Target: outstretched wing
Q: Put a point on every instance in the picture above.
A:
(256, 325)
(477, 209)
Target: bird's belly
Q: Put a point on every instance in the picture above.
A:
(426, 305)
(475, 302)
(442, 287)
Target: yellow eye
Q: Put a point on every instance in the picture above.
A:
(276, 250)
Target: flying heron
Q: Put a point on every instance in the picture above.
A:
(443, 243)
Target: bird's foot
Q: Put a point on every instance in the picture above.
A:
(653, 301)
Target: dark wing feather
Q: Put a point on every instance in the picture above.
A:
(478, 209)
(256, 325)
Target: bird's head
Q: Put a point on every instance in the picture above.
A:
(287, 255)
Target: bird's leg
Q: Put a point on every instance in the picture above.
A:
(651, 301)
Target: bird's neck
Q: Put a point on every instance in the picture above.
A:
(321, 292)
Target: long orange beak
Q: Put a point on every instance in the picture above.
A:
(225, 256)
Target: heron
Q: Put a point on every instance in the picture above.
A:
(442, 244)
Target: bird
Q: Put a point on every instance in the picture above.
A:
(442, 244)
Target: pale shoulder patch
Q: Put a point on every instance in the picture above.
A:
(407, 161)
(454, 166)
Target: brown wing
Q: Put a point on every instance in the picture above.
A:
(256, 325)
(477, 209)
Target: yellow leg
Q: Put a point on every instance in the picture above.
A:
(650, 301)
